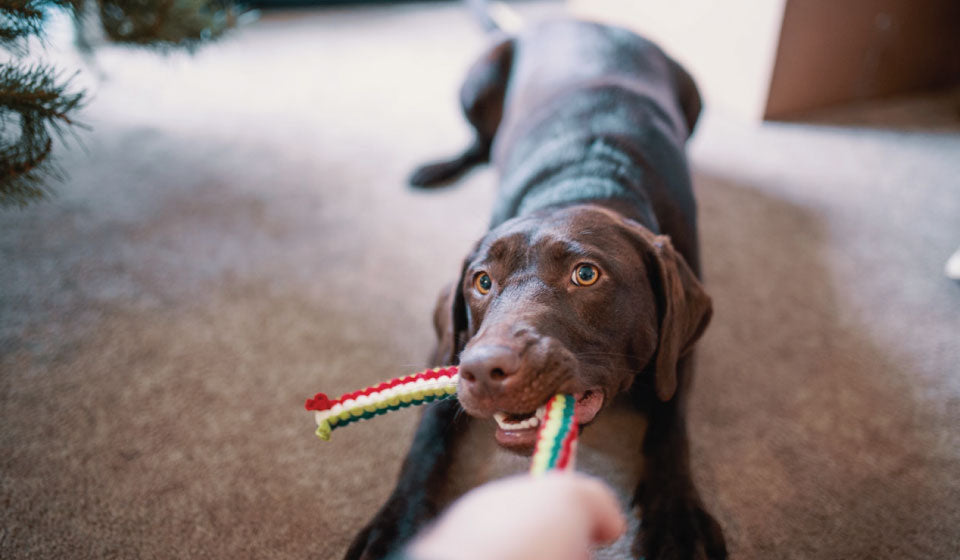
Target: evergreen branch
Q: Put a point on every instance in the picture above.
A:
(35, 104)
(35, 99)
(34, 89)
(18, 20)
(166, 24)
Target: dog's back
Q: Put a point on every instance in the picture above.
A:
(554, 59)
(597, 112)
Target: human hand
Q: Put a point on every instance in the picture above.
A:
(557, 516)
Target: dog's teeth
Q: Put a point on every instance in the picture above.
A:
(505, 424)
(529, 423)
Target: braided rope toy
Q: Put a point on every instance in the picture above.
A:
(556, 437)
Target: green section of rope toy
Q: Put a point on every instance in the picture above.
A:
(556, 439)
(355, 414)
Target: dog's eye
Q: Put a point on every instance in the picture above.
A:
(585, 275)
(482, 282)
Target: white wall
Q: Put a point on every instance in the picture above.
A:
(729, 46)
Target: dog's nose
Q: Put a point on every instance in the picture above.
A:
(485, 368)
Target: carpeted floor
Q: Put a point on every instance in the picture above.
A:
(235, 235)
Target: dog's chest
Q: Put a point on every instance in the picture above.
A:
(608, 449)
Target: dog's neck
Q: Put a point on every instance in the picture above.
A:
(576, 170)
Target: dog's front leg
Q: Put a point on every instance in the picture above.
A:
(413, 502)
(674, 523)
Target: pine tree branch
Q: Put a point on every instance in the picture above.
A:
(37, 102)
(166, 24)
(19, 19)
(35, 89)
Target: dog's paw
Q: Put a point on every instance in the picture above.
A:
(681, 530)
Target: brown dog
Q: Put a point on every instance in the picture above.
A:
(587, 283)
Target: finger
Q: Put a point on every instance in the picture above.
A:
(605, 517)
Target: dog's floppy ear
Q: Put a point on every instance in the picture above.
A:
(450, 323)
(684, 309)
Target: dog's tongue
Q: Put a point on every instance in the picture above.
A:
(588, 405)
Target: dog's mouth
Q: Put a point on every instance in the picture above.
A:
(519, 431)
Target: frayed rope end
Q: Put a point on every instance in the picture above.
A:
(323, 430)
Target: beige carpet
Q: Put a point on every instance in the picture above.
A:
(235, 235)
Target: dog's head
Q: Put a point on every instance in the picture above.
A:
(580, 301)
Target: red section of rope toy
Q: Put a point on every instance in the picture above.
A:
(322, 402)
(319, 402)
(568, 445)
